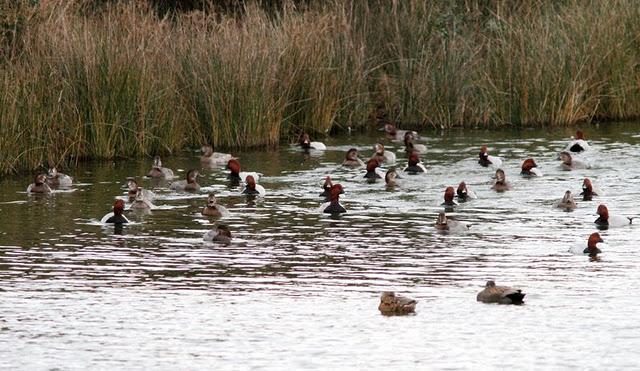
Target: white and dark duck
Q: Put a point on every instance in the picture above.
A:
(58, 180)
(132, 184)
(501, 183)
(485, 159)
(592, 246)
(530, 169)
(39, 185)
(567, 203)
(605, 220)
(588, 190)
(117, 216)
(158, 171)
(306, 143)
(253, 189)
(464, 194)
(352, 160)
(415, 166)
(568, 163)
(393, 305)
(189, 184)
(578, 144)
(383, 156)
(220, 234)
(333, 206)
(500, 294)
(213, 209)
(409, 146)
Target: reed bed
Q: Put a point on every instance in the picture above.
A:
(122, 81)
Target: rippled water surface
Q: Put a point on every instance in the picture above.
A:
(298, 289)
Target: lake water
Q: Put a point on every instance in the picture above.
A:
(298, 289)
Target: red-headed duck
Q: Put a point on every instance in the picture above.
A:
(133, 191)
(567, 203)
(56, 179)
(333, 206)
(236, 175)
(415, 166)
(578, 143)
(211, 158)
(213, 209)
(449, 194)
(253, 189)
(390, 178)
(39, 185)
(117, 216)
(568, 163)
(352, 160)
(373, 170)
(392, 304)
(383, 156)
(605, 220)
(157, 171)
(588, 190)
(447, 224)
(485, 159)
(306, 143)
(409, 146)
(464, 194)
(591, 249)
(140, 202)
(530, 168)
(189, 184)
(501, 182)
(221, 234)
(500, 294)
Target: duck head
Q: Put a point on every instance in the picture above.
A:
(234, 166)
(567, 198)
(336, 191)
(490, 283)
(442, 219)
(390, 128)
(352, 155)
(390, 177)
(603, 212)
(483, 153)
(327, 183)
(462, 190)
(132, 185)
(408, 139)
(449, 193)
(207, 150)
(500, 176)
(388, 297)
(157, 162)
(592, 243)
(414, 158)
(528, 164)
(565, 157)
(40, 179)
(211, 200)
(118, 207)
(192, 175)
(251, 183)
(53, 172)
(372, 164)
(379, 149)
(304, 141)
(579, 135)
(587, 187)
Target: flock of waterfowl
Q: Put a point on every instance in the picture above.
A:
(390, 303)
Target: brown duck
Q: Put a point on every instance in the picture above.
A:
(500, 294)
(392, 304)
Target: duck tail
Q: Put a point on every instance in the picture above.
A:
(516, 297)
(631, 219)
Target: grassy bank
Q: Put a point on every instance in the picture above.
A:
(120, 81)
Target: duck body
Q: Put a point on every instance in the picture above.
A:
(591, 249)
(500, 294)
(190, 184)
(211, 158)
(158, 171)
(578, 143)
(117, 216)
(392, 304)
(485, 160)
(58, 180)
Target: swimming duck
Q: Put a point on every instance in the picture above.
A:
(501, 182)
(486, 160)
(567, 202)
(591, 249)
(326, 188)
(409, 146)
(116, 217)
(568, 163)
(588, 190)
(133, 191)
(56, 179)
(605, 220)
(392, 304)
(39, 185)
(212, 208)
(235, 175)
(211, 158)
(253, 189)
(373, 170)
(393, 133)
(333, 206)
(500, 294)
(415, 165)
(140, 202)
(449, 194)
(447, 224)
(306, 143)
(189, 184)
(530, 168)
(464, 194)
(352, 160)
(157, 171)
(383, 156)
(390, 178)
(221, 234)
(578, 144)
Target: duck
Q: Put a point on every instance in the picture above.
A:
(39, 185)
(373, 170)
(500, 294)
(333, 206)
(449, 194)
(140, 202)
(132, 184)
(306, 143)
(383, 156)
(501, 184)
(392, 304)
(213, 209)
(486, 160)
(56, 179)
(578, 144)
(530, 168)
(116, 217)
(390, 178)
(351, 159)
(415, 166)
(464, 194)
(235, 175)
(605, 220)
(588, 190)
(447, 224)
(409, 146)
(567, 203)
(568, 163)
(211, 158)
(591, 249)
(393, 133)
(253, 189)
(220, 234)
(189, 184)
(157, 171)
